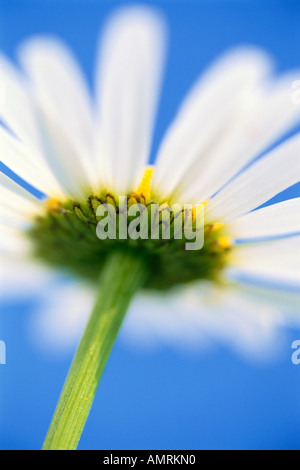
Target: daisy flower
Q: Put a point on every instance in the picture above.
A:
(81, 154)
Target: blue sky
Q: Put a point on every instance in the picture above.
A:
(166, 399)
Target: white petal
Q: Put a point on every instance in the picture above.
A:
(199, 317)
(272, 261)
(12, 244)
(17, 110)
(245, 137)
(64, 158)
(217, 100)
(18, 113)
(285, 300)
(193, 319)
(16, 198)
(62, 92)
(16, 156)
(265, 178)
(128, 82)
(274, 220)
(12, 218)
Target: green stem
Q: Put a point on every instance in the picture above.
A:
(121, 278)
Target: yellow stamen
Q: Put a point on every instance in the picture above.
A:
(53, 204)
(224, 241)
(216, 226)
(131, 200)
(196, 209)
(145, 185)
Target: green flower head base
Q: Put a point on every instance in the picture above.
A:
(68, 235)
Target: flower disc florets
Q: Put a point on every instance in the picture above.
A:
(69, 234)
